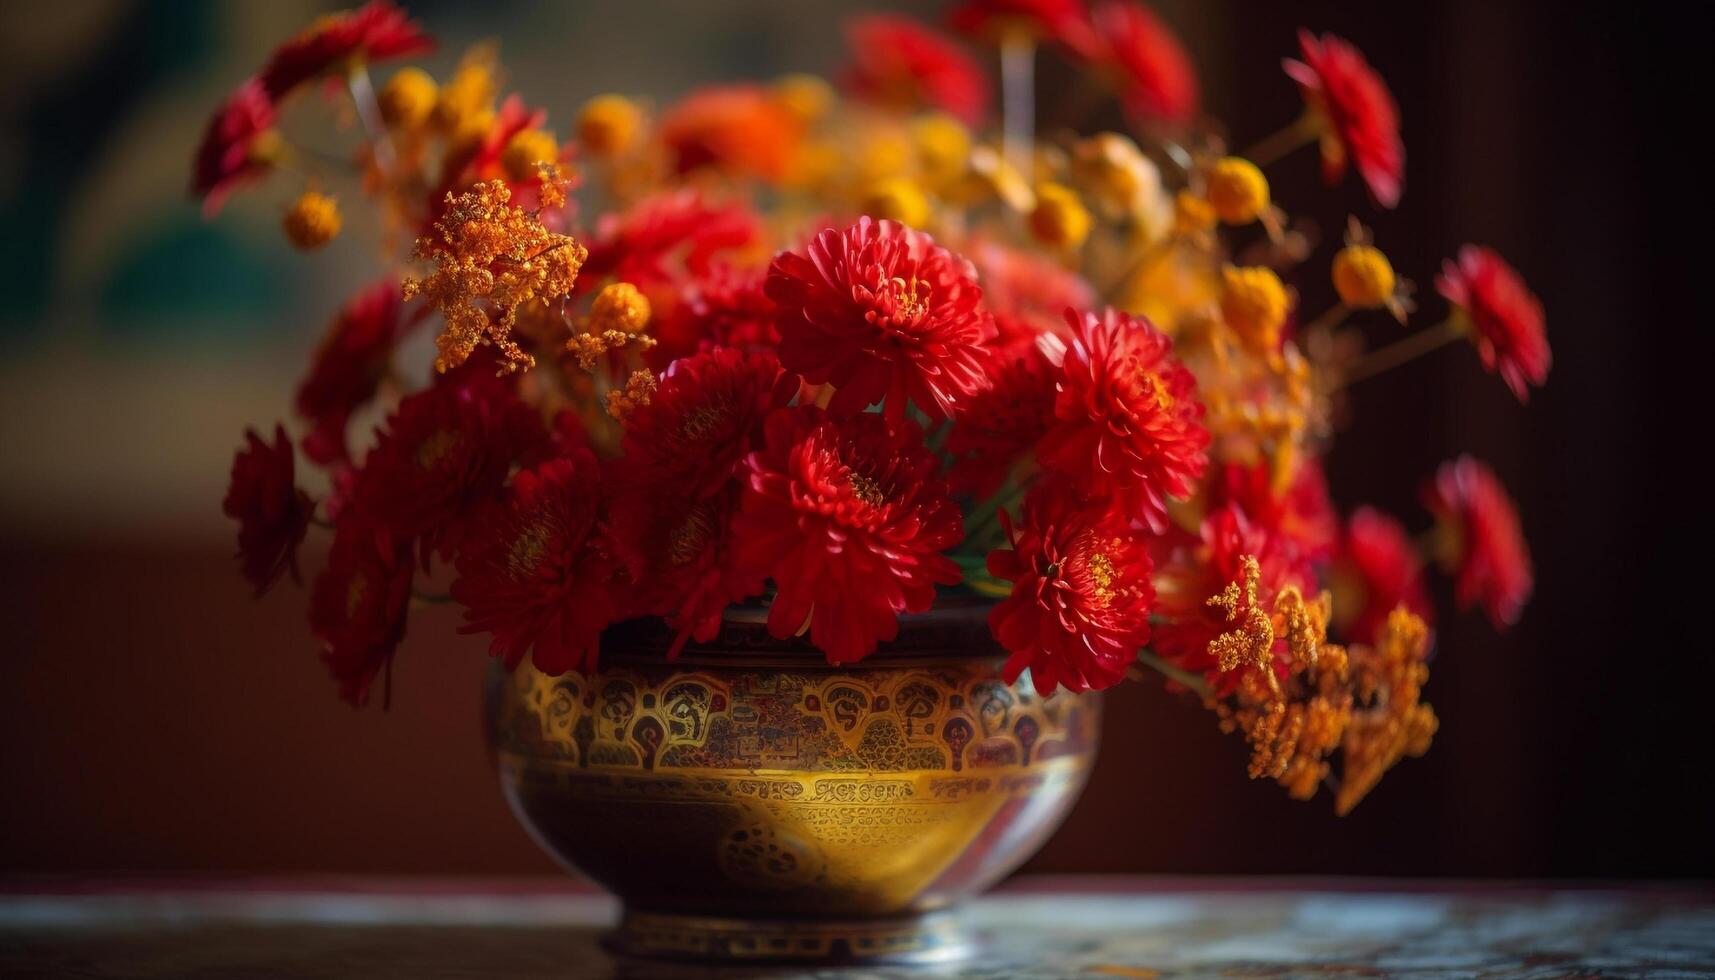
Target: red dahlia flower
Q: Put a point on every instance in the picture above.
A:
(898, 62)
(680, 552)
(1377, 572)
(1355, 113)
(1127, 419)
(997, 427)
(1506, 314)
(534, 573)
(348, 368)
(879, 310)
(721, 307)
(377, 31)
(1481, 542)
(1027, 292)
(1064, 22)
(235, 147)
(1081, 594)
(1301, 517)
(849, 516)
(359, 604)
(660, 237)
(272, 513)
(1155, 75)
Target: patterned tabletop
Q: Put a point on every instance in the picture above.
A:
(1033, 929)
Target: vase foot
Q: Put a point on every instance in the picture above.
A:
(934, 937)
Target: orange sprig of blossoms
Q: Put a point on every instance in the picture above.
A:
(491, 259)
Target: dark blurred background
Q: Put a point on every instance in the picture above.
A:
(154, 718)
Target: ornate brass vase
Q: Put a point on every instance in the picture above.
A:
(747, 801)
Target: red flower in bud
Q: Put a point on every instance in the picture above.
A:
(1081, 593)
(1506, 315)
(359, 604)
(1481, 542)
(996, 428)
(1355, 112)
(377, 31)
(348, 368)
(534, 572)
(234, 150)
(1155, 75)
(898, 62)
(849, 517)
(1378, 570)
(1127, 422)
(272, 513)
(881, 310)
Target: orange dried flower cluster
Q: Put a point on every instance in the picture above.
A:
(492, 258)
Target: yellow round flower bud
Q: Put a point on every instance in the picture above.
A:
(312, 221)
(608, 125)
(1059, 219)
(467, 96)
(897, 199)
(1363, 277)
(407, 98)
(1237, 190)
(943, 147)
(525, 150)
(619, 306)
(1115, 173)
(806, 96)
(1254, 303)
(1192, 215)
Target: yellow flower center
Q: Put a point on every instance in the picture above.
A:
(865, 489)
(435, 449)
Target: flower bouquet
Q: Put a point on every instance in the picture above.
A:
(843, 353)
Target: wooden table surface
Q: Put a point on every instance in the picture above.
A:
(1032, 928)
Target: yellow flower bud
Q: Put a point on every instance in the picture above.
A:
(1059, 219)
(1237, 190)
(1363, 277)
(1254, 303)
(468, 95)
(943, 147)
(897, 199)
(407, 98)
(1115, 173)
(806, 96)
(525, 150)
(608, 125)
(621, 307)
(1192, 215)
(312, 221)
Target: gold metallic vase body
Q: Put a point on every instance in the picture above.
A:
(749, 801)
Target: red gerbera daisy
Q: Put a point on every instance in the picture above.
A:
(881, 310)
(272, 513)
(235, 147)
(849, 517)
(444, 455)
(374, 32)
(1127, 419)
(659, 237)
(721, 307)
(899, 62)
(1061, 21)
(1507, 316)
(359, 605)
(1481, 542)
(1081, 593)
(348, 368)
(997, 427)
(1377, 572)
(534, 573)
(1355, 113)
(1155, 75)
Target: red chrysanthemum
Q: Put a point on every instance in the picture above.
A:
(849, 517)
(444, 455)
(1127, 421)
(374, 32)
(359, 605)
(721, 307)
(272, 513)
(1355, 112)
(1156, 80)
(1481, 542)
(1064, 22)
(879, 310)
(534, 573)
(1194, 569)
(998, 426)
(348, 368)
(1508, 318)
(1300, 517)
(1081, 593)
(899, 62)
(743, 130)
(233, 152)
(662, 237)
(1378, 570)
(1027, 292)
